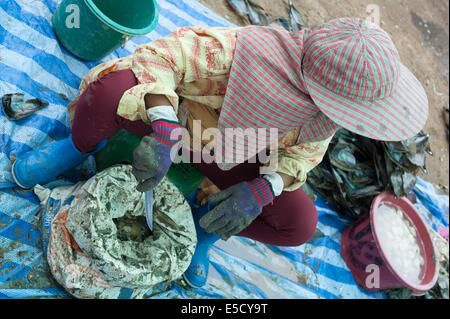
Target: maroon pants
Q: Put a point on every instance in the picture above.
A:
(289, 221)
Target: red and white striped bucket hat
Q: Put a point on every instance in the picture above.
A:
(353, 73)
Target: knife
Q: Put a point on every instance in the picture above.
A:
(149, 208)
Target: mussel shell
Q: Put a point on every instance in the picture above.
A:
(355, 169)
(397, 183)
(15, 107)
(341, 156)
(368, 191)
(240, 6)
(281, 22)
(309, 191)
(409, 181)
(254, 15)
(295, 19)
(417, 159)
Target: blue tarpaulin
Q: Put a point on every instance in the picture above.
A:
(32, 61)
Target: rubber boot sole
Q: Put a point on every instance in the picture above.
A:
(189, 283)
(15, 178)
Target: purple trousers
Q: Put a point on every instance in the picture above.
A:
(289, 221)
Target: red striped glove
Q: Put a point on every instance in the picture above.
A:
(162, 130)
(152, 156)
(262, 190)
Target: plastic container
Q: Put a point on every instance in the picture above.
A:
(91, 29)
(120, 148)
(360, 247)
(185, 176)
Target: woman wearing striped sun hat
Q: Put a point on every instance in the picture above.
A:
(305, 85)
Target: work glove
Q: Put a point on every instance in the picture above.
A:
(152, 157)
(237, 207)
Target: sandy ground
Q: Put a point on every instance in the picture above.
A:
(420, 30)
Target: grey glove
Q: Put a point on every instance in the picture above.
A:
(151, 162)
(237, 207)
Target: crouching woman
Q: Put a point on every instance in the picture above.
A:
(302, 85)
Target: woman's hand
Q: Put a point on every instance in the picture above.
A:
(151, 162)
(152, 156)
(237, 207)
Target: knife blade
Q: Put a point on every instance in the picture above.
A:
(149, 208)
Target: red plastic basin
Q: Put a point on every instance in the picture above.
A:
(360, 247)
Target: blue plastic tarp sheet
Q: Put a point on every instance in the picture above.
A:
(32, 61)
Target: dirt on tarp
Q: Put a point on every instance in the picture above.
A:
(420, 31)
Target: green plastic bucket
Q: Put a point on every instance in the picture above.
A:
(185, 176)
(120, 148)
(91, 29)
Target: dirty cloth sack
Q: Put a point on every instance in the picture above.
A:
(89, 257)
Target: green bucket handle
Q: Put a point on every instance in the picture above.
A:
(119, 28)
